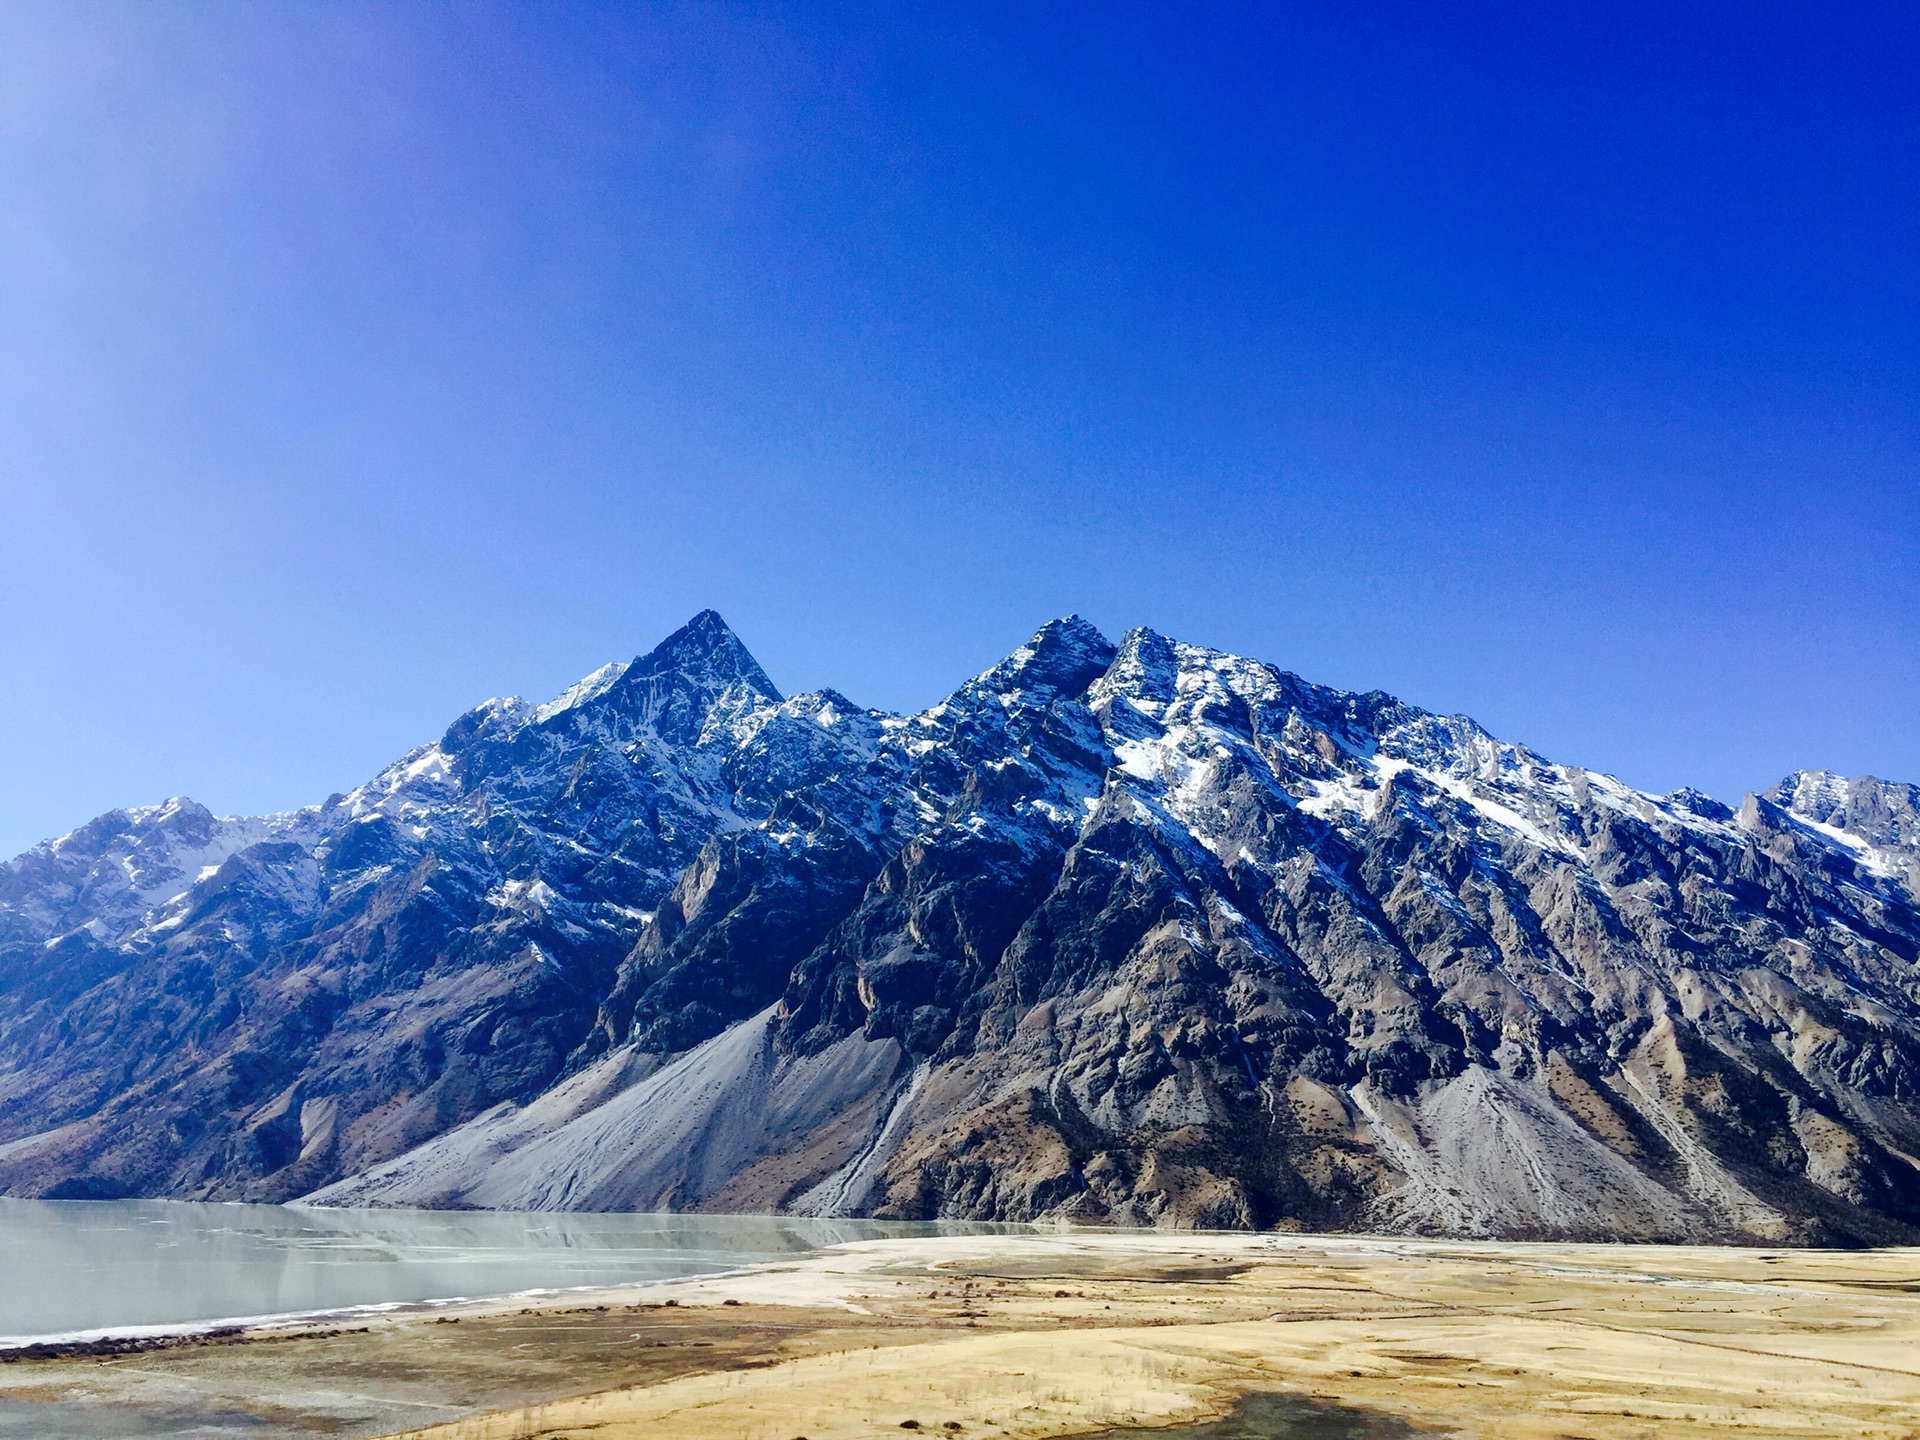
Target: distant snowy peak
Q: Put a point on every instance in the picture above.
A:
(108, 874)
(1060, 661)
(1880, 812)
(1871, 823)
(699, 668)
(707, 655)
(135, 868)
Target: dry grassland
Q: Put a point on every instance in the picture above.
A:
(1055, 1335)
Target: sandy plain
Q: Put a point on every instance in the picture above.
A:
(1072, 1333)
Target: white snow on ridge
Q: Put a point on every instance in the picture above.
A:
(161, 854)
(525, 896)
(1506, 786)
(589, 687)
(1487, 807)
(1876, 860)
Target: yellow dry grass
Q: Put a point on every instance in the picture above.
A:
(1054, 1335)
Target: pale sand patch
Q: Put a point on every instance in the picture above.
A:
(1528, 1341)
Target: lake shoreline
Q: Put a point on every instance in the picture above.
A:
(85, 1274)
(143, 1339)
(1059, 1333)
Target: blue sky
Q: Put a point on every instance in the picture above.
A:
(359, 362)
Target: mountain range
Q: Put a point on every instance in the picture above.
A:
(1141, 934)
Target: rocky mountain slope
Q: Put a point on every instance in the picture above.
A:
(1144, 933)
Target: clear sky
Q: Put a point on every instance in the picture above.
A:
(1555, 364)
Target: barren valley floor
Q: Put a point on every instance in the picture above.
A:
(1075, 1333)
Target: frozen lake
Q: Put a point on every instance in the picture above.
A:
(78, 1266)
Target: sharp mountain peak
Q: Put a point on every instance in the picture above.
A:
(705, 647)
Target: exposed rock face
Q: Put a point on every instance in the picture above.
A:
(1145, 934)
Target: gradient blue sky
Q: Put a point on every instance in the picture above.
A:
(1555, 364)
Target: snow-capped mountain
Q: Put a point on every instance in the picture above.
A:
(1144, 933)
